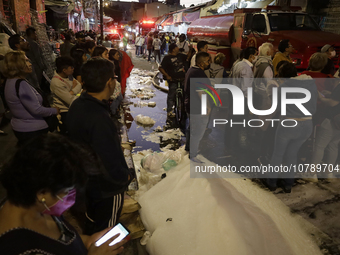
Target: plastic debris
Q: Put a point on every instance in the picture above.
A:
(144, 120)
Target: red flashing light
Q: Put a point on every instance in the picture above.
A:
(148, 22)
(113, 31)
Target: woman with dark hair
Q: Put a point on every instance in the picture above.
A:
(79, 58)
(41, 181)
(117, 96)
(24, 101)
(100, 51)
(123, 66)
(89, 47)
(289, 138)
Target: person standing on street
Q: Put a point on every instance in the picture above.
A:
(149, 46)
(157, 43)
(202, 46)
(89, 123)
(65, 48)
(137, 42)
(17, 42)
(125, 42)
(331, 53)
(64, 91)
(182, 44)
(197, 122)
(167, 40)
(285, 49)
(173, 71)
(35, 53)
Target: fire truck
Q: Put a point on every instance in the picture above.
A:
(230, 33)
(146, 26)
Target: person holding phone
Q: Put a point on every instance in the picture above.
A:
(42, 180)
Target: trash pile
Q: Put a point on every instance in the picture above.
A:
(142, 93)
(152, 166)
(160, 135)
(144, 120)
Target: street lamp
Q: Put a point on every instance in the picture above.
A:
(158, 10)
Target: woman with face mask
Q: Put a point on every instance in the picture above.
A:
(41, 181)
(24, 101)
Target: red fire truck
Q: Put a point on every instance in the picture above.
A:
(146, 26)
(229, 33)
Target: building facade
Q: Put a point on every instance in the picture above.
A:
(17, 13)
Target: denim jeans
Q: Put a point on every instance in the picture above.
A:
(166, 48)
(149, 57)
(137, 50)
(288, 141)
(171, 95)
(326, 144)
(115, 103)
(157, 53)
(197, 126)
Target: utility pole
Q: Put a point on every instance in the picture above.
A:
(101, 19)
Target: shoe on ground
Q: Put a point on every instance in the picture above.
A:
(284, 187)
(196, 160)
(2, 133)
(271, 188)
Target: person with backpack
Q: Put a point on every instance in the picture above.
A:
(23, 100)
(182, 44)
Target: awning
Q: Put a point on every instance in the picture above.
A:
(191, 16)
(177, 17)
(107, 19)
(169, 21)
(60, 7)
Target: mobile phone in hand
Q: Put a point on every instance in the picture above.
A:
(118, 229)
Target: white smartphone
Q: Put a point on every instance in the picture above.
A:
(118, 229)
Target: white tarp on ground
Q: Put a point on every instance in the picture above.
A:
(219, 217)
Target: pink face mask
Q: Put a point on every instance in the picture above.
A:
(62, 205)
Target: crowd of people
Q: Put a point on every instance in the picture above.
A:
(89, 84)
(84, 93)
(262, 70)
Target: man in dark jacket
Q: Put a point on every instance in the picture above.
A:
(198, 122)
(89, 122)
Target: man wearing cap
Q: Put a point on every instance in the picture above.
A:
(331, 53)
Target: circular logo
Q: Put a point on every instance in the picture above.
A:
(251, 42)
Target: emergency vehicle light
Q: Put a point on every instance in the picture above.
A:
(148, 22)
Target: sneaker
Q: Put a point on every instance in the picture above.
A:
(196, 160)
(265, 183)
(2, 133)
